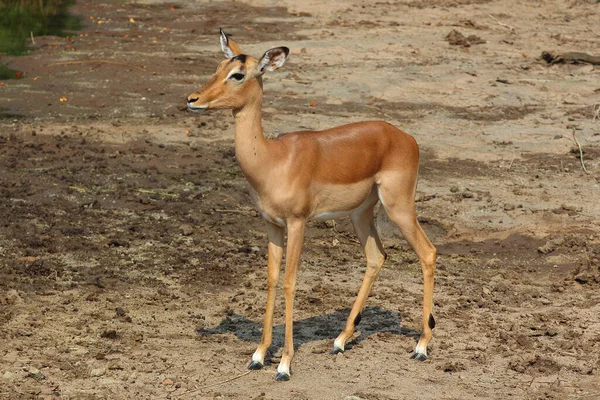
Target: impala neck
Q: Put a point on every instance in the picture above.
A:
(250, 144)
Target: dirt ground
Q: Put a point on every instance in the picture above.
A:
(133, 264)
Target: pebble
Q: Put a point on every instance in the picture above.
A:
(186, 229)
(509, 207)
(36, 374)
(98, 372)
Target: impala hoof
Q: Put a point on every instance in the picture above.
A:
(254, 365)
(336, 350)
(419, 356)
(282, 376)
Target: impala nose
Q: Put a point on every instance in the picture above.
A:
(192, 100)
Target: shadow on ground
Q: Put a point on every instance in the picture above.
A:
(328, 326)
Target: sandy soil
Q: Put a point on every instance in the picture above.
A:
(132, 263)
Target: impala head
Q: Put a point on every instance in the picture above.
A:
(238, 79)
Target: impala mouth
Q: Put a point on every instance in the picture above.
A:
(196, 109)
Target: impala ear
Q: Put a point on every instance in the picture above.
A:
(272, 59)
(229, 47)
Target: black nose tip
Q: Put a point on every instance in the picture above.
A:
(192, 100)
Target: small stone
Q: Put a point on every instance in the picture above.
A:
(114, 365)
(468, 195)
(493, 262)
(509, 207)
(167, 382)
(98, 372)
(454, 189)
(186, 229)
(329, 223)
(110, 334)
(36, 374)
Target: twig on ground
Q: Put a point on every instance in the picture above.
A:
(580, 152)
(32, 41)
(214, 384)
(97, 61)
(501, 24)
(593, 31)
(79, 189)
(246, 212)
(164, 194)
(511, 161)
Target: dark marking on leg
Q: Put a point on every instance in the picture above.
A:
(357, 319)
(431, 322)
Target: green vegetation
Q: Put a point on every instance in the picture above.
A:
(6, 73)
(20, 19)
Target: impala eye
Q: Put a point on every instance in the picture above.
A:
(237, 77)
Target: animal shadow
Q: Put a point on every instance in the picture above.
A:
(328, 326)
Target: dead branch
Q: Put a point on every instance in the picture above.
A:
(580, 152)
(97, 61)
(572, 57)
(501, 24)
(215, 384)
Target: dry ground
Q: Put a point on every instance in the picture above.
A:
(132, 263)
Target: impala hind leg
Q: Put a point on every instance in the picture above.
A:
(365, 229)
(400, 207)
(275, 234)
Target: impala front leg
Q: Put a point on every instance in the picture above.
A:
(294, 249)
(275, 234)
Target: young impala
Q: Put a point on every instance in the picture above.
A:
(328, 174)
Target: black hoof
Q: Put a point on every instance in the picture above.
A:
(336, 350)
(419, 356)
(254, 365)
(282, 376)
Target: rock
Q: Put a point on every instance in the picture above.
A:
(493, 262)
(167, 382)
(36, 374)
(550, 246)
(122, 315)
(509, 207)
(186, 229)
(249, 249)
(98, 372)
(8, 375)
(458, 39)
(114, 365)
(110, 334)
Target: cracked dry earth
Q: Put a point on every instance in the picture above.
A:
(133, 265)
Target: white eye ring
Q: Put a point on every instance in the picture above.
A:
(236, 76)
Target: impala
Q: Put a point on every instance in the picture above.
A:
(343, 171)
